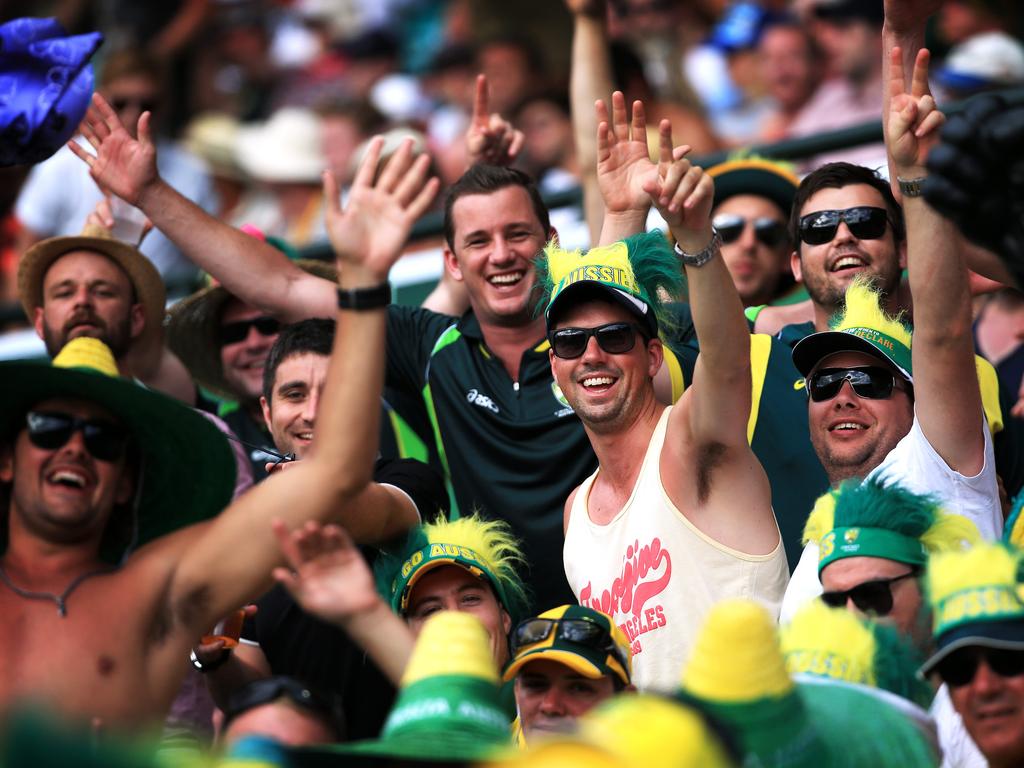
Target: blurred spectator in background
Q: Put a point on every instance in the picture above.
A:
(59, 194)
(285, 156)
(958, 20)
(737, 37)
(211, 136)
(449, 83)
(849, 33)
(514, 70)
(984, 62)
(998, 333)
(344, 125)
(790, 64)
(549, 154)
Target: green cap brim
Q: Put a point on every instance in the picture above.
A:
(811, 350)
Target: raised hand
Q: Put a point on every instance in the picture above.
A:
(681, 192)
(623, 161)
(914, 119)
(328, 577)
(371, 231)
(490, 138)
(123, 166)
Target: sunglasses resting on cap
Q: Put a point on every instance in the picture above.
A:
(865, 222)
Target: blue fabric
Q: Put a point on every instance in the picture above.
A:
(46, 82)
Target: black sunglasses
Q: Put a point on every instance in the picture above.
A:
(874, 597)
(865, 222)
(960, 667)
(232, 333)
(269, 689)
(143, 105)
(613, 338)
(578, 631)
(872, 382)
(767, 230)
(105, 440)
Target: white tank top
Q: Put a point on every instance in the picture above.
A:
(657, 575)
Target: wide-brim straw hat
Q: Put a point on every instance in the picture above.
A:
(194, 322)
(286, 148)
(149, 287)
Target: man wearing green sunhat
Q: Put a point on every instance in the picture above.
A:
(977, 600)
(565, 662)
(103, 590)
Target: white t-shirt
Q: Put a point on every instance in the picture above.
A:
(958, 750)
(915, 465)
(59, 194)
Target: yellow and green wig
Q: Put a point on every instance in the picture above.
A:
(836, 644)
(485, 548)
(634, 272)
(871, 519)
(737, 673)
(977, 599)
(862, 326)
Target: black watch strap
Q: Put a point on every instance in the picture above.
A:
(211, 665)
(357, 299)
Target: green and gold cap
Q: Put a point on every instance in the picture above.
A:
(608, 653)
(872, 519)
(977, 599)
(485, 548)
(448, 707)
(863, 326)
(835, 644)
(632, 273)
(755, 176)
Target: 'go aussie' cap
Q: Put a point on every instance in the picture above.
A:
(872, 519)
(485, 548)
(562, 635)
(863, 326)
(630, 272)
(977, 599)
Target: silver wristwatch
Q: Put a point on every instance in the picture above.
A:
(911, 187)
(702, 257)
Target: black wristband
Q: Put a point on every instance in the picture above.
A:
(357, 299)
(212, 665)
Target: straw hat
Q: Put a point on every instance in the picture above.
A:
(149, 287)
(286, 148)
(193, 324)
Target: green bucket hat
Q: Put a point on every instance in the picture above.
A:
(631, 273)
(977, 599)
(187, 467)
(581, 638)
(448, 708)
(737, 673)
(755, 176)
(861, 327)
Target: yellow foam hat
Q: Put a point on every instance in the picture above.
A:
(452, 643)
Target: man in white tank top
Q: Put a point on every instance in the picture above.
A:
(678, 515)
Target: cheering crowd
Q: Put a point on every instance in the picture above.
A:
(732, 485)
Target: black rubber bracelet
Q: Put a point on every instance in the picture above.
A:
(365, 298)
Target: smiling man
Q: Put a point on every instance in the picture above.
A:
(678, 514)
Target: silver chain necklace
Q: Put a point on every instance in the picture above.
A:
(61, 600)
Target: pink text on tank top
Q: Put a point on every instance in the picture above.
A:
(628, 595)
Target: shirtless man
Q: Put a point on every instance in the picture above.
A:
(678, 514)
(118, 648)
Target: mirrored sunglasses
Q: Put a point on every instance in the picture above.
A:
(613, 338)
(873, 597)
(105, 440)
(232, 333)
(865, 223)
(578, 631)
(872, 382)
(767, 230)
(959, 668)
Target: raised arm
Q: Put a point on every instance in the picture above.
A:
(590, 80)
(254, 271)
(720, 395)
(229, 561)
(947, 399)
(490, 138)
